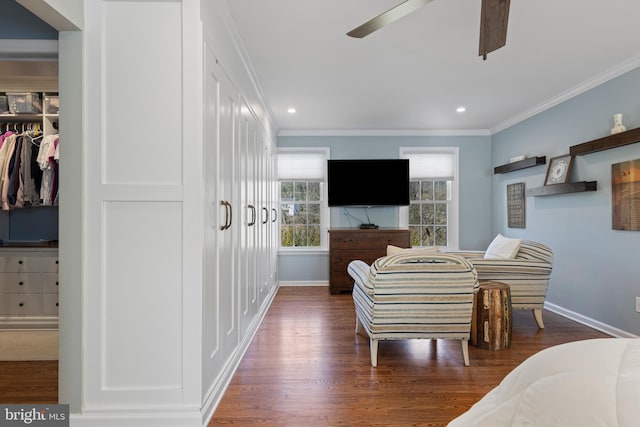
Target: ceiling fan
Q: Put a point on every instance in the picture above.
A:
(493, 22)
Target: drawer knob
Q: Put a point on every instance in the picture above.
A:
(21, 304)
(56, 283)
(57, 304)
(56, 261)
(20, 262)
(20, 283)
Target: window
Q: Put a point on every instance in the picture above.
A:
(432, 215)
(303, 206)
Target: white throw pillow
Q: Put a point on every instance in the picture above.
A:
(503, 248)
(395, 250)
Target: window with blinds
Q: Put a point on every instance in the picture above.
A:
(433, 210)
(303, 207)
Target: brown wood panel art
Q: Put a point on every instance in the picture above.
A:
(625, 193)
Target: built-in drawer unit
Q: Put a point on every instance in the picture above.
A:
(29, 287)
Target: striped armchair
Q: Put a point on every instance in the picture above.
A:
(414, 296)
(527, 275)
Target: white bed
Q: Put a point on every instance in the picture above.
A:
(579, 384)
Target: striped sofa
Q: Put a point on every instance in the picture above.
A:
(527, 274)
(414, 296)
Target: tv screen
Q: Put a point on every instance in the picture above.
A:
(375, 182)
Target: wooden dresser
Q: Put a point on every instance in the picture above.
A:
(348, 244)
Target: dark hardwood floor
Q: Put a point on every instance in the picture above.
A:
(29, 382)
(306, 367)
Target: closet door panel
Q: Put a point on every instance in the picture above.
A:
(228, 293)
(142, 275)
(221, 201)
(143, 105)
(133, 288)
(242, 247)
(212, 357)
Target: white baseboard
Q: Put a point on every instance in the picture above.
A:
(592, 323)
(29, 322)
(134, 419)
(305, 283)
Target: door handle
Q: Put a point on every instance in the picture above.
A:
(227, 215)
(253, 215)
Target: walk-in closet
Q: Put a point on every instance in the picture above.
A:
(29, 184)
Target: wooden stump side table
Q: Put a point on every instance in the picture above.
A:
(491, 322)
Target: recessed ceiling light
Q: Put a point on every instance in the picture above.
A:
(291, 110)
(461, 109)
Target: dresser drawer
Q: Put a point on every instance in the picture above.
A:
(15, 263)
(50, 283)
(20, 283)
(49, 264)
(339, 260)
(372, 240)
(21, 305)
(50, 304)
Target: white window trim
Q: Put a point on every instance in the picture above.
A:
(453, 213)
(324, 207)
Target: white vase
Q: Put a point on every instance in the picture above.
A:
(617, 124)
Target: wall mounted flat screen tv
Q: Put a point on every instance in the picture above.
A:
(374, 182)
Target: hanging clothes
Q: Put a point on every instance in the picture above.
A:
(49, 166)
(30, 173)
(28, 170)
(9, 145)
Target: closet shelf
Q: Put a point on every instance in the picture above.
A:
(521, 164)
(611, 141)
(21, 117)
(571, 187)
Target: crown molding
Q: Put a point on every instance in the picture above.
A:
(583, 87)
(384, 132)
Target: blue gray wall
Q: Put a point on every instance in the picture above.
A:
(475, 191)
(18, 23)
(596, 272)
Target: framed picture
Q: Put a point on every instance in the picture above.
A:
(516, 212)
(559, 170)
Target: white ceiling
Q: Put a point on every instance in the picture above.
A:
(409, 77)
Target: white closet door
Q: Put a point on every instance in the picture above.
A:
(245, 265)
(220, 295)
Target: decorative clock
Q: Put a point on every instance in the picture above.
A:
(559, 170)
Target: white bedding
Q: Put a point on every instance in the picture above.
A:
(579, 384)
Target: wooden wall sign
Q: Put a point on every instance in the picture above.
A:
(516, 212)
(625, 193)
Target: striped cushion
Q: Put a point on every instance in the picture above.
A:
(527, 274)
(415, 296)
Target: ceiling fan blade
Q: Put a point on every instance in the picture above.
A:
(387, 17)
(493, 25)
